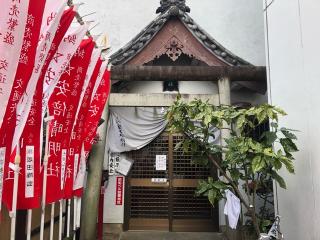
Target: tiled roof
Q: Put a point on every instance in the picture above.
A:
(167, 10)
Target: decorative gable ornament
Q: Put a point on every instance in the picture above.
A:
(166, 4)
(174, 48)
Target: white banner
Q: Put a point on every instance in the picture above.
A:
(93, 61)
(13, 18)
(75, 166)
(52, 14)
(2, 158)
(29, 172)
(79, 183)
(60, 62)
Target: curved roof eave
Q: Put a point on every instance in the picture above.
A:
(138, 43)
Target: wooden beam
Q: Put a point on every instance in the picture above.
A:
(188, 73)
(155, 99)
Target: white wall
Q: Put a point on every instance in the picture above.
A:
(112, 213)
(237, 24)
(294, 85)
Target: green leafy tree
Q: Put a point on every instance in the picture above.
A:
(243, 160)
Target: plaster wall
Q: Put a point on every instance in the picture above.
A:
(293, 46)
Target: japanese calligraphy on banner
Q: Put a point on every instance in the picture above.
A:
(2, 157)
(93, 62)
(29, 172)
(51, 18)
(24, 69)
(13, 17)
(61, 62)
(119, 190)
(32, 127)
(99, 79)
(78, 128)
(73, 78)
(95, 111)
(76, 141)
(62, 105)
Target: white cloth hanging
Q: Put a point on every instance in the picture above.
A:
(232, 209)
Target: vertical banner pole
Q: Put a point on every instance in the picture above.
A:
(44, 186)
(74, 217)
(29, 220)
(68, 218)
(78, 212)
(60, 219)
(52, 221)
(15, 193)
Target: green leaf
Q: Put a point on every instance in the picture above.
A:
(257, 164)
(235, 174)
(279, 110)
(288, 163)
(279, 179)
(288, 145)
(241, 121)
(219, 185)
(186, 145)
(270, 137)
(212, 196)
(207, 119)
(277, 164)
(288, 134)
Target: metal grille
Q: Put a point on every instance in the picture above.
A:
(149, 203)
(183, 168)
(144, 159)
(187, 206)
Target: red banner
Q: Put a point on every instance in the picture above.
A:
(51, 19)
(24, 70)
(77, 134)
(92, 120)
(62, 105)
(13, 19)
(95, 111)
(31, 133)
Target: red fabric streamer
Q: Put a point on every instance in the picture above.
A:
(31, 133)
(63, 107)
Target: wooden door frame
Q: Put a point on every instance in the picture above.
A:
(172, 183)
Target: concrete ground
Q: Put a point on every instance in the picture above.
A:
(137, 235)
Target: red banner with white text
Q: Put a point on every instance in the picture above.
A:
(13, 19)
(91, 125)
(31, 134)
(24, 70)
(62, 105)
(76, 141)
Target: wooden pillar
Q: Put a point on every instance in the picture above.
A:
(90, 200)
(225, 99)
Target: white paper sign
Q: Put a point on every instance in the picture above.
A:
(63, 167)
(2, 157)
(161, 162)
(124, 166)
(114, 161)
(29, 172)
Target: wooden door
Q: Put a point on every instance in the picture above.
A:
(169, 205)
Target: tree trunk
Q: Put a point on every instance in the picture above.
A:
(91, 195)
